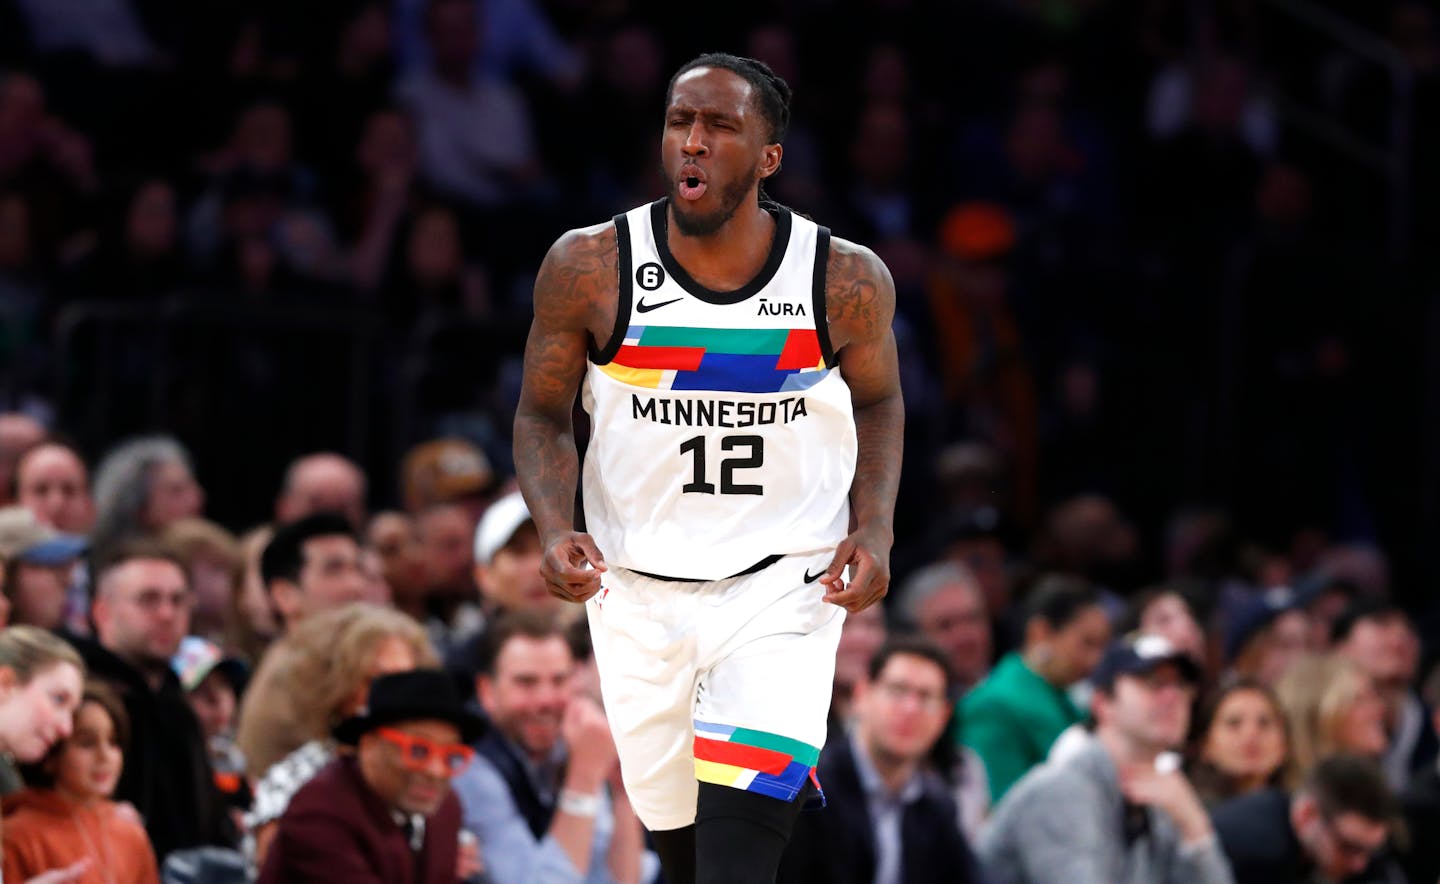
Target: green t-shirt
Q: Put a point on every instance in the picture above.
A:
(1010, 719)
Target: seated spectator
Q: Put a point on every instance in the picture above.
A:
(1421, 802)
(889, 815)
(253, 623)
(1266, 634)
(18, 434)
(1326, 598)
(322, 483)
(52, 482)
(1117, 812)
(141, 612)
(308, 683)
(507, 561)
(40, 684)
(141, 486)
(536, 796)
(396, 540)
(37, 563)
(1242, 742)
(65, 818)
(447, 470)
(213, 559)
(946, 604)
(213, 684)
(1013, 716)
(447, 548)
(1334, 828)
(1167, 612)
(385, 814)
(310, 566)
(1332, 707)
(1377, 636)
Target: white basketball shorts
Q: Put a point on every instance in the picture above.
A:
(724, 682)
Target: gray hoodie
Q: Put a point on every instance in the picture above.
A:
(1067, 822)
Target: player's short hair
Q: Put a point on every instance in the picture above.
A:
(772, 93)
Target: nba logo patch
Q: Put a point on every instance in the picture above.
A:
(600, 599)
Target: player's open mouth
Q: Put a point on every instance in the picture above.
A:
(692, 182)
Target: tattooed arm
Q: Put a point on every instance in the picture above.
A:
(860, 300)
(575, 297)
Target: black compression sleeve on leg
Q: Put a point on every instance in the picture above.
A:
(740, 836)
(676, 849)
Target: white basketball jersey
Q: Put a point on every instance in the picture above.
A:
(721, 432)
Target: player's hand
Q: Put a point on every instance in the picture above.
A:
(564, 566)
(867, 553)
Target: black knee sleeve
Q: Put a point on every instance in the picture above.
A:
(676, 849)
(740, 836)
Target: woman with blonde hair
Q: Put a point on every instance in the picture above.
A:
(309, 682)
(41, 682)
(1332, 706)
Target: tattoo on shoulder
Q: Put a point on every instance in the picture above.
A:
(579, 273)
(860, 296)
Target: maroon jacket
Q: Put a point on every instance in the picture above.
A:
(336, 829)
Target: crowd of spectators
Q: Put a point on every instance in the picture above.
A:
(274, 606)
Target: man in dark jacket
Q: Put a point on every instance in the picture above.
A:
(889, 818)
(141, 611)
(386, 814)
(1334, 828)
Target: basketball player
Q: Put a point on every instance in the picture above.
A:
(740, 373)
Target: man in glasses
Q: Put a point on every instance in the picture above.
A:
(141, 611)
(1119, 811)
(1334, 828)
(544, 797)
(385, 813)
(890, 817)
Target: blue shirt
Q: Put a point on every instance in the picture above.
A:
(511, 853)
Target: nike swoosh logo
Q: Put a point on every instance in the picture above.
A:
(811, 578)
(643, 307)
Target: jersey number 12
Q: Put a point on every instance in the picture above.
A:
(696, 448)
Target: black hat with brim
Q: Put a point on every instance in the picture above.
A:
(417, 695)
(1139, 654)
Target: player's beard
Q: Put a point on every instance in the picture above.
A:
(694, 223)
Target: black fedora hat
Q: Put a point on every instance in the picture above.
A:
(417, 695)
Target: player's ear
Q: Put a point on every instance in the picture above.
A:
(770, 159)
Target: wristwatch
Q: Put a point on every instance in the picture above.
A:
(579, 803)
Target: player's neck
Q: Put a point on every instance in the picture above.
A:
(731, 256)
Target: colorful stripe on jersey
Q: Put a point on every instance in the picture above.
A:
(756, 761)
(722, 360)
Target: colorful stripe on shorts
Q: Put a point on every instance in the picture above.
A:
(756, 761)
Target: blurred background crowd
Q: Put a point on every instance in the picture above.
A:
(1165, 287)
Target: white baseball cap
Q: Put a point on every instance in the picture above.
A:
(499, 524)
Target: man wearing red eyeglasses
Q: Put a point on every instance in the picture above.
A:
(385, 813)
